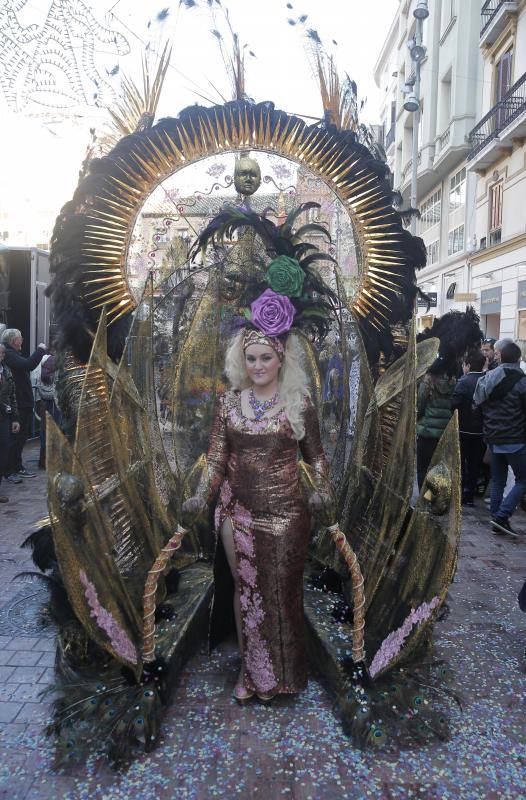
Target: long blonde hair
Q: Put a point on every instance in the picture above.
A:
(292, 381)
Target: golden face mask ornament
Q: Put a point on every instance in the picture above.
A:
(247, 176)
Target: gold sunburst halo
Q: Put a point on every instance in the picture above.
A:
(161, 153)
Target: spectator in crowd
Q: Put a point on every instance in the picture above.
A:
(472, 445)
(501, 394)
(20, 367)
(46, 401)
(434, 411)
(498, 350)
(488, 348)
(8, 415)
(522, 344)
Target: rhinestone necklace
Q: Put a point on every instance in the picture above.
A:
(260, 407)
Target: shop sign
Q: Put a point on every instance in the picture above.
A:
(491, 300)
(521, 294)
(422, 302)
(465, 297)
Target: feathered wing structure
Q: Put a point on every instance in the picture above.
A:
(403, 553)
(135, 109)
(113, 504)
(339, 97)
(81, 532)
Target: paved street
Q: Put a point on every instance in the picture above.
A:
(295, 749)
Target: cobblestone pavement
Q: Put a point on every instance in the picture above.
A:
(211, 748)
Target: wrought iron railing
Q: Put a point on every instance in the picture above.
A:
(512, 105)
(443, 141)
(389, 139)
(489, 9)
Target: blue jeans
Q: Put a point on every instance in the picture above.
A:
(499, 475)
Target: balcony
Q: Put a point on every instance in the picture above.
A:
(442, 141)
(406, 172)
(389, 139)
(493, 136)
(494, 18)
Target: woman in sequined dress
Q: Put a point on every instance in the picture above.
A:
(260, 515)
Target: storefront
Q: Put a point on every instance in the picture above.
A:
(521, 310)
(490, 308)
(426, 310)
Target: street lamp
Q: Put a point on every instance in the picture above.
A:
(412, 103)
(421, 11)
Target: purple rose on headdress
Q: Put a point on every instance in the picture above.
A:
(272, 313)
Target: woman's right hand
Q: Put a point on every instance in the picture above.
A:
(193, 505)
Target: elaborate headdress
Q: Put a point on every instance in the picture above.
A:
(291, 294)
(253, 336)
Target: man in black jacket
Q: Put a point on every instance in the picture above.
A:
(9, 424)
(501, 394)
(488, 348)
(472, 444)
(20, 367)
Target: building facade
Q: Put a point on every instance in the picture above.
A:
(450, 98)
(497, 160)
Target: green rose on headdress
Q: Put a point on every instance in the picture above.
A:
(285, 276)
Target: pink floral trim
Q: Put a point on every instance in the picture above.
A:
(120, 642)
(244, 543)
(225, 495)
(393, 643)
(258, 663)
(247, 572)
(257, 657)
(243, 517)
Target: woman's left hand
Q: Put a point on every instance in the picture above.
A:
(15, 427)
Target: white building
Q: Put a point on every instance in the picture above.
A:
(450, 97)
(497, 160)
(386, 78)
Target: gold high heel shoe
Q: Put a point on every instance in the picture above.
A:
(266, 699)
(242, 695)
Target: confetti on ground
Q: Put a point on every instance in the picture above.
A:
(211, 748)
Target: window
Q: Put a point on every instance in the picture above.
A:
(430, 211)
(448, 12)
(495, 212)
(455, 241)
(457, 190)
(433, 252)
(444, 115)
(503, 75)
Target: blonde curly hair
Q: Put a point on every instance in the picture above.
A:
(293, 382)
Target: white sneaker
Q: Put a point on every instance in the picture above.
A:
(487, 500)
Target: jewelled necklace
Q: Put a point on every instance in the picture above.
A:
(260, 407)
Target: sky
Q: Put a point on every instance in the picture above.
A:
(41, 154)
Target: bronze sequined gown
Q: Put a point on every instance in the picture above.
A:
(254, 466)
